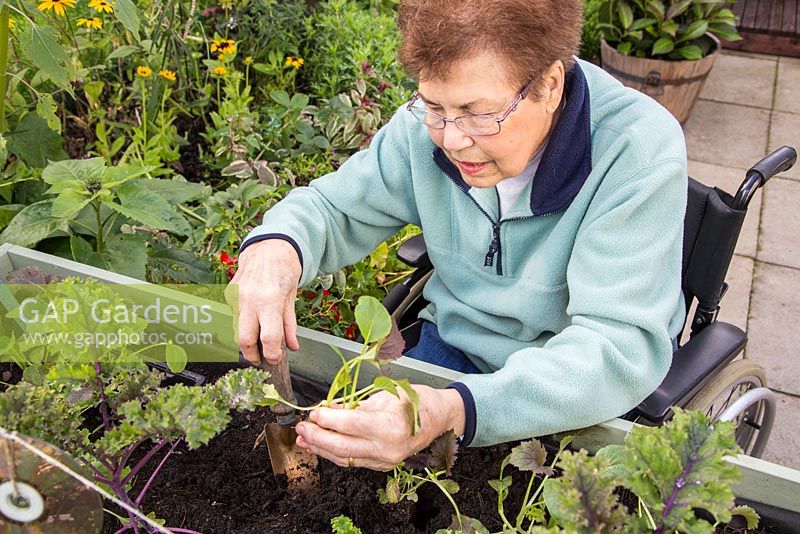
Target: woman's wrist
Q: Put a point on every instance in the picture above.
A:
(445, 411)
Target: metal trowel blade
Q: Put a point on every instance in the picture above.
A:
(299, 466)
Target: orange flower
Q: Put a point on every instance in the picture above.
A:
(167, 74)
(143, 71)
(59, 7)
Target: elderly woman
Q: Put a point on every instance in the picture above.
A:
(552, 202)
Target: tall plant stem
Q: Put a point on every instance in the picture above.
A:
(99, 236)
(3, 64)
(155, 472)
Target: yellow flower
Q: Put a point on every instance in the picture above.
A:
(219, 71)
(101, 5)
(59, 7)
(295, 62)
(225, 4)
(94, 23)
(221, 57)
(248, 60)
(143, 71)
(167, 75)
(223, 47)
(11, 24)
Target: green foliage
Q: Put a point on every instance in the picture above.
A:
(343, 525)
(104, 204)
(63, 381)
(673, 470)
(345, 43)
(590, 33)
(671, 29)
(272, 26)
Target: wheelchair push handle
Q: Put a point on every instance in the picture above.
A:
(759, 174)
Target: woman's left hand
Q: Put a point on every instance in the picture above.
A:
(377, 434)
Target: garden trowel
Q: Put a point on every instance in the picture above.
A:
(299, 466)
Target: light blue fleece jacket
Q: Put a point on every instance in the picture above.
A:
(569, 303)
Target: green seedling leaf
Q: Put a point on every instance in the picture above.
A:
(69, 203)
(383, 383)
(615, 454)
(451, 487)
(413, 404)
(530, 456)
(343, 525)
(176, 358)
(750, 515)
(341, 380)
(246, 389)
(372, 318)
(444, 451)
(467, 525)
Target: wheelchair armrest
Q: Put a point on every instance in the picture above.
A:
(693, 365)
(414, 253)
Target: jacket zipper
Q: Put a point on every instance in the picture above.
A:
(495, 247)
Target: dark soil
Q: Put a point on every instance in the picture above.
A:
(228, 486)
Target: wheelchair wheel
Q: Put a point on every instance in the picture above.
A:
(730, 384)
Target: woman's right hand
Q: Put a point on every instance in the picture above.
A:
(267, 279)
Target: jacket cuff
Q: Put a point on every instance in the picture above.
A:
(471, 415)
(264, 237)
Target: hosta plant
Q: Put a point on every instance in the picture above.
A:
(666, 29)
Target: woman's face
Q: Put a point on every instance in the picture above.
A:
(480, 85)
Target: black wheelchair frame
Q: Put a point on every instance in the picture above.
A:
(703, 374)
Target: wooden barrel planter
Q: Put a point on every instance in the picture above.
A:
(673, 84)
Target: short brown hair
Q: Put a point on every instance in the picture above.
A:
(529, 34)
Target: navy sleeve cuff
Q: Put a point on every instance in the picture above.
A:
(264, 237)
(469, 409)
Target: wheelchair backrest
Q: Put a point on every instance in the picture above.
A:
(711, 229)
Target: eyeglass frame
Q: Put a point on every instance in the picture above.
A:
(511, 108)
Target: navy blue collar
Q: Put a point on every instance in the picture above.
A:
(567, 160)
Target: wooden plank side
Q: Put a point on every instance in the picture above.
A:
(763, 15)
(791, 10)
(776, 15)
(749, 15)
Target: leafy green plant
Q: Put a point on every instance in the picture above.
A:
(671, 29)
(590, 32)
(343, 525)
(270, 27)
(672, 470)
(99, 207)
(342, 38)
(107, 402)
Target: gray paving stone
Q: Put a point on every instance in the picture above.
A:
(726, 134)
(773, 323)
(782, 446)
(729, 179)
(742, 80)
(779, 241)
(741, 53)
(787, 90)
(785, 130)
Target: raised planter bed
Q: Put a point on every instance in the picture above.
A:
(228, 486)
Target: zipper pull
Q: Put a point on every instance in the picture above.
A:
(494, 246)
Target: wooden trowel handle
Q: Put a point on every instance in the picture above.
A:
(280, 378)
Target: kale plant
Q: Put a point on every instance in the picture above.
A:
(108, 403)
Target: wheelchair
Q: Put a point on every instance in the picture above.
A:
(705, 373)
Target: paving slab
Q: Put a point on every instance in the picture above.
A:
(787, 89)
(773, 324)
(726, 134)
(728, 179)
(779, 241)
(742, 53)
(782, 447)
(741, 80)
(785, 130)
